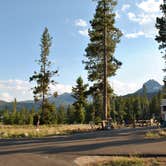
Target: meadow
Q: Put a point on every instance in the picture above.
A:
(30, 131)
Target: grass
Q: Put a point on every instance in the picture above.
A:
(129, 161)
(156, 134)
(119, 161)
(27, 131)
(125, 162)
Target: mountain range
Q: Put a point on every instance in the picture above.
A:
(152, 88)
(63, 99)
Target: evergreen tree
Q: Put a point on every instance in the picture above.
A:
(36, 119)
(154, 106)
(137, 107)
(90, 113)
(113, 111)
(6, 116)
(145, 105)
(97, 102)
(161, 37)
(120, 108)
(71, 114)
(1, 116)
(104, 37)
(43, 78)
(23, 116)
(31, 116)
(79, 92)
(127, 110)
(49, 115)
(144, 113)
(15, 106)
(61, 115)
(13, 116)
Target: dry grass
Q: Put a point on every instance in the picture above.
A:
(118, 161)
(123, 161)
(131, 161)
(162, 133)
(156, 134)
(17, 131)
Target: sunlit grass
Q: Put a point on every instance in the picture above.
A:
(156, 134)
(27, 131)
(122, 161)
(129, 161)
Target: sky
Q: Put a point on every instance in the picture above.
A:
(23, 22)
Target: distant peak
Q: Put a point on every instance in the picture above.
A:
(151, 83)
(152, 87)
(151, 80)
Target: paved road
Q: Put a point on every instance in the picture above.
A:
(63, 150)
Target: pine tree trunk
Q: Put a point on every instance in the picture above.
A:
(43, 97)
(105, 69)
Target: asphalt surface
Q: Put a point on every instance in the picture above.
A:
(64, 150)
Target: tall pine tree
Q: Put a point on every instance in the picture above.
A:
(161, 37)
(104, 37)
(43, 78)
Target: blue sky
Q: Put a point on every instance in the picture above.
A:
(23, 21)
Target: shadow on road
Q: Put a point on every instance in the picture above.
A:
(75, 137)
(53, 147)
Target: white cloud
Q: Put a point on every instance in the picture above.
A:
(81, 23)
(123, 88)
(61, 88)
(134, 35)
(14, 85)
(142, 18)
(125, 7)
(6, 97)
(150, 6)
(83, 32)
(10, 89)
(132, 17)
(145, 18)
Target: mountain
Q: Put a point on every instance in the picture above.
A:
(64, 99)
(28, 105)
(152, 87)
(2, 102)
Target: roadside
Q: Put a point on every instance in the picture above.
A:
(64, 150)
(118, 161)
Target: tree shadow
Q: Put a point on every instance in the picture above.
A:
(82, 148)
(75, 137)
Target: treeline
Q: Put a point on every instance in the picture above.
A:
(61, 115)
(122, 110)
(31, 117)
(134, 108)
